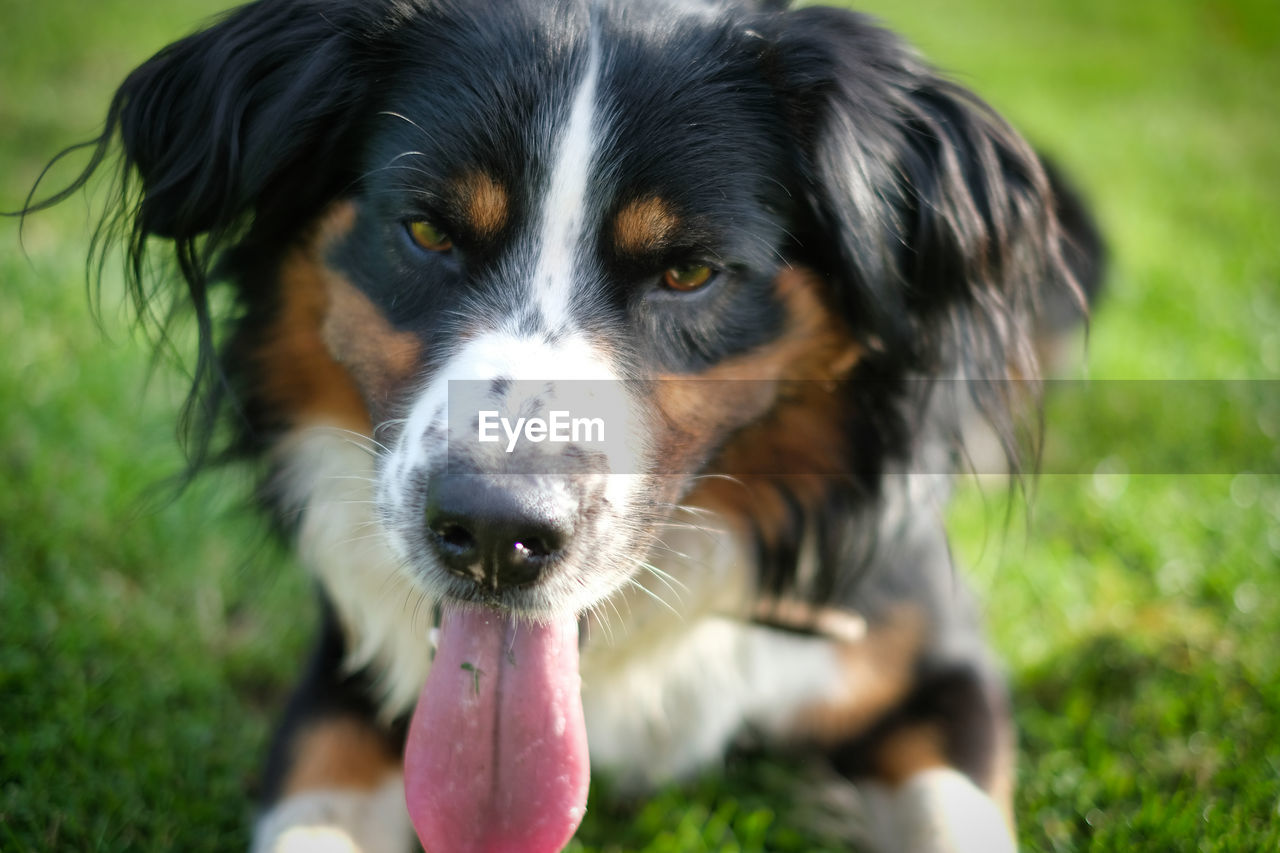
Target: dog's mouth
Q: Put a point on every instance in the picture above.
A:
(496, 755)
(515, 540)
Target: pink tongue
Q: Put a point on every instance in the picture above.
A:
(496, 757)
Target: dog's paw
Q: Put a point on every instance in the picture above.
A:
(337, 822)
(313, 839)
(936, 811)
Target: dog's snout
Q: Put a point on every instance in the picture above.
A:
(501, 531)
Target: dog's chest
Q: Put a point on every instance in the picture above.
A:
(666, 688)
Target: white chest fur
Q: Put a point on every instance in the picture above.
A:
(665, 689)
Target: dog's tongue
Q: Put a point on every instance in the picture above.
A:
(496, 757)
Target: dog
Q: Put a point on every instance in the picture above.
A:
(768, 259)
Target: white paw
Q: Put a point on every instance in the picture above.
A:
(337, 822)
(936, 811)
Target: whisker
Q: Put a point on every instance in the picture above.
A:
(676, 593)
(613, 605)
(357, 477)
(665, 577)
(408, 120)
(366, 537)
(728, 478)
(387, 424)
(653, 595)
(693, 510)
(599, 617)
(357, 438)
(664, 547)
(680, 525)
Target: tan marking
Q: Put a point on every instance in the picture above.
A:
(340, 753)
(839, 625)
(644, 226)
(876, 674)
(915, 748)
(909, 750)
(329, 353)
(357, 335)
(484, 203)
(787, 395)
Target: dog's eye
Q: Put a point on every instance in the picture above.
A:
(429, 237)
(687, 277)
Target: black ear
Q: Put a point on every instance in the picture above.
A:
(936, 219)
(216, 125)
(232, 136)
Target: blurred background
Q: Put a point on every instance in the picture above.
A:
(146, 643)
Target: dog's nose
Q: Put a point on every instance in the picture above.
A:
(501, 531)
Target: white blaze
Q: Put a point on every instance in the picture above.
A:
(563, 218)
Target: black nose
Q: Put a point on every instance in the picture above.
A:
(501, 531)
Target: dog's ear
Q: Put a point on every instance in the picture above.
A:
(216, 125)
(233, 135)
(935, 219)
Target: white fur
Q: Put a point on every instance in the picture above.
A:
(666, 690)
(328, 479)
(564, 208)
(573, 371)
(495, 355)
(936, 811)
(338, 821)
(675, 710)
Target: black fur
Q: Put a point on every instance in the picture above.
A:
(228, 140)
(327, 691)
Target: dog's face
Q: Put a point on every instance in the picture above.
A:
(542, 220)
(635, 197)
(570, 211)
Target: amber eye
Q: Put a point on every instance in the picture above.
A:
(429, 236)
(688, 277)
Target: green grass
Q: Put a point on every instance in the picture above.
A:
(146, 644)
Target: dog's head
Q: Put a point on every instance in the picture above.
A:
(724, 235)
(517, 200)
